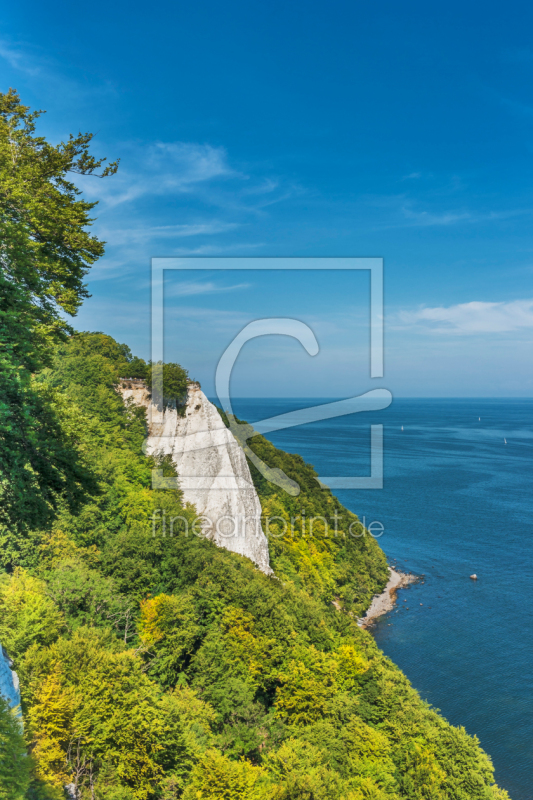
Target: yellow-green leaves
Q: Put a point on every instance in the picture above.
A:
(218, 778)
(27, 615)
(92, 702)
(307, 682)
(51, 719)
(311, 678)
(168, 631)
(250, 654)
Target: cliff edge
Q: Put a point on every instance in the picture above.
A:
(213, 473)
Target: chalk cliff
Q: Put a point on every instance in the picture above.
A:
(213, 473)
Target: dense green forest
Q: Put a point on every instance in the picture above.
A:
(156, 667)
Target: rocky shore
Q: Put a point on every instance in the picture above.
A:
(385, 601)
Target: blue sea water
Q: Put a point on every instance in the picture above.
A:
(456, 500)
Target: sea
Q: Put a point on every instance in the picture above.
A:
(456, 501)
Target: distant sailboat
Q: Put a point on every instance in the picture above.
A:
(479, 418)
(505, 441)
(402, 427)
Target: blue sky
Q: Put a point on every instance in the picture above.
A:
(307, 129)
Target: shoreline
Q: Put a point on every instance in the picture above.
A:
(384, 602)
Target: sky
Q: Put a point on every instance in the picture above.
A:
(316, 129)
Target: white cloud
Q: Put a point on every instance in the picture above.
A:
(161, 168)
(400, 212)
(182, 170)
(187, 199)
(200, 287)
(470, 318)
(214, 250)
(428, 218)
(116, 236)
(17, 58)
(195, 162)
(134, 257)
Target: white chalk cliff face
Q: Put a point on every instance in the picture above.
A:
(213, 473)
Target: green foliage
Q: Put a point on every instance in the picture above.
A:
(298, 770)
(218, 778)
(39, 463)
(109, 439)
(48, 250)
(314, 541)
(14, 762)
(45, 252)
(92, 706)
(171, 377)
(169, 631)
(88, 599)
(27, 615)
(154, 665)
(137, 368)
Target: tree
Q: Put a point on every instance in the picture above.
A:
(46, 249)
(218, 778)
(169, 632)
(175, 380)
(51, 718)
(45, 253)
(27, 615)
(14, 762)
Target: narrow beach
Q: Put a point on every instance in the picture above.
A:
(381, 603)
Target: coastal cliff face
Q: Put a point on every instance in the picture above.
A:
(213, 473)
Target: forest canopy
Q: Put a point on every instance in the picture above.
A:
(156, 667)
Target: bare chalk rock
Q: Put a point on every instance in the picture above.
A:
(213, 472)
